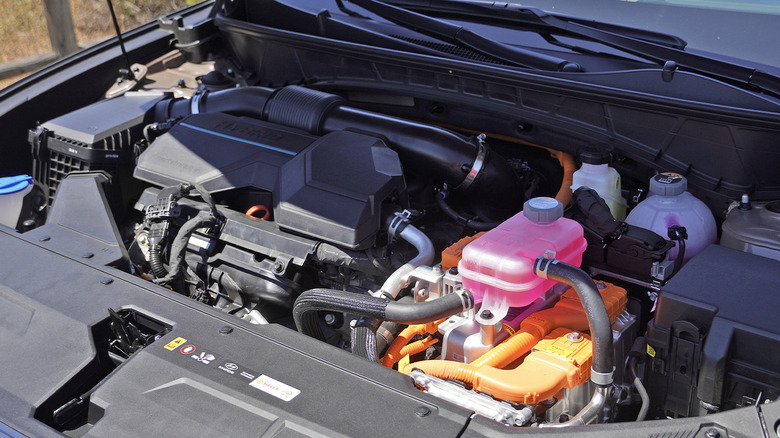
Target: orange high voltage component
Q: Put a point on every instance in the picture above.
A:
(395, 351)
(561, 360)
(453, 253)
(556, 361)
(567, 313)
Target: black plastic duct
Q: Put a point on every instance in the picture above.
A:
(463, 163)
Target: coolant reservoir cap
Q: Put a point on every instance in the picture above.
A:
(592, 155)
(668, 184)
(13, 184)
(542, 209)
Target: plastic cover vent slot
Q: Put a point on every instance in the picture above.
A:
(65, 156)
(451, 49)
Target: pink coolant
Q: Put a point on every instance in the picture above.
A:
(500, 264)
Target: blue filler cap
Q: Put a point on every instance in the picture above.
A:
(13, 184)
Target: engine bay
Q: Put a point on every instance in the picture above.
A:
(533, 286)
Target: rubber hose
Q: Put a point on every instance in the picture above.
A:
(386, 334)
(364, 340)
(311, 301)
(592, 304)
(678, 262)
(244, 101)
(473, 224)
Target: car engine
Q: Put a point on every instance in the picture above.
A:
(477, 263)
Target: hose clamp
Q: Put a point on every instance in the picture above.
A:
(195, 103)
(542, 264)
(602, 379)
(479, 162)
(467, 299)
(399, 222)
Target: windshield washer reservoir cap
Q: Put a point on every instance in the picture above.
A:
(13, 184)
(668, 184)
(542, 209)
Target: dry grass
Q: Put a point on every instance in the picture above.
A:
(23, 24)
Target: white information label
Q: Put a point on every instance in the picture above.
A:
(275, 388)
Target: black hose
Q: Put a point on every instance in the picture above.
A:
(592, 303)
(311, 301)
(244, 101)
(679, 234)
(364, 341)
(471, 223)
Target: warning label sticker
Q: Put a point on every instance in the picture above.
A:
(232, 368)
(275, 388)
(174, 344)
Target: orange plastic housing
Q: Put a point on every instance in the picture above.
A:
(556, 362)
(453, 253)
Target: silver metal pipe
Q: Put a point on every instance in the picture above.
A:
(400, 278)
(588, 413)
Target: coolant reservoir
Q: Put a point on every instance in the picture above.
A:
(498, 268)
(669, 204)
(596, 174)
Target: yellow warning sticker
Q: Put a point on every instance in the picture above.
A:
(650, 351)
(174, 344)
(559, 350)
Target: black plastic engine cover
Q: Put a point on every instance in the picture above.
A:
(714, 342)
(330, 187)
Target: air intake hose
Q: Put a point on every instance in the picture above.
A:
(465, 164)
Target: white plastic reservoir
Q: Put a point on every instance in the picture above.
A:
(596, 174)
(668, 204)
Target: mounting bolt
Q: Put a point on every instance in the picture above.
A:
(422, 411)
(574, 337)
(87, 255)
(225, 330)
(44, 238)
(106, 280)
(600, 285)
(712, 433)
(486, 314)
(278, 267)
(330, 319)
(549, 402)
